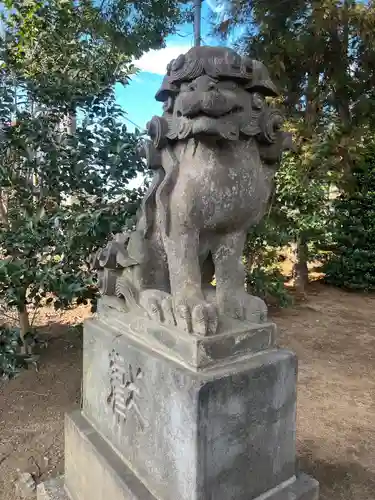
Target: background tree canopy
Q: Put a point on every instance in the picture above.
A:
(322, 54)
(66, 156)
(68, 52)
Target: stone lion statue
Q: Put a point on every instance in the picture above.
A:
(214, 152)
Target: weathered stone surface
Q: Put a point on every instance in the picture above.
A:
(237, 340)
(214, 153)
(95, 472)
(52, 489)
(226, 432)
(25, 485)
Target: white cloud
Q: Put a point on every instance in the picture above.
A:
(216, 5)
(137, 78)
(156, 61)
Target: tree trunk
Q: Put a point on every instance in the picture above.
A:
(72, 123)
(300, 269)
(197, 22)
(4, 209)
(23, 317)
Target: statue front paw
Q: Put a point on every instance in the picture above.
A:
(191, 315)
(195, 315)
(159, 306)
(243, 306)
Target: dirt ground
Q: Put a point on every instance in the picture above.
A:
(333, 334)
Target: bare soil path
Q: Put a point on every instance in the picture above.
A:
(333, 334)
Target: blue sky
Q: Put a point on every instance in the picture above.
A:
(137, 98)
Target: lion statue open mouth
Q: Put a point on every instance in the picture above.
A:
(214, 152)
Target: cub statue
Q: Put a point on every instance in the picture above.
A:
(214, 152)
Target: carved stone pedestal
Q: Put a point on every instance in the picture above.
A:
(168, 416)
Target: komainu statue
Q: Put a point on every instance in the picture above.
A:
(214, 153)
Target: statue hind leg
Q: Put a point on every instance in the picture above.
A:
(152, 276)
(154, 270)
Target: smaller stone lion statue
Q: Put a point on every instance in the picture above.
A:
(214, 153)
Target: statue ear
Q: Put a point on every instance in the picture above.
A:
(168, 105)
(166, 90)
(261, 81)
(157, 129)
(247, 65)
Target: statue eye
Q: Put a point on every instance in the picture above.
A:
(258, 101)
(185, 87)
(227, 85)
(192, 87)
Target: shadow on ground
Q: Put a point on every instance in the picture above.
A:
(340, 481)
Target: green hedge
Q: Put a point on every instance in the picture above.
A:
(352, 261)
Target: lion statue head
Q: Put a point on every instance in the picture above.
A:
(214, 92)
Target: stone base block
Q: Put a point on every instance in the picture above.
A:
(226, 432)
(94, 471)
(53, 489)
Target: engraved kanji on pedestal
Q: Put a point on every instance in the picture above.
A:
(125, 390)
